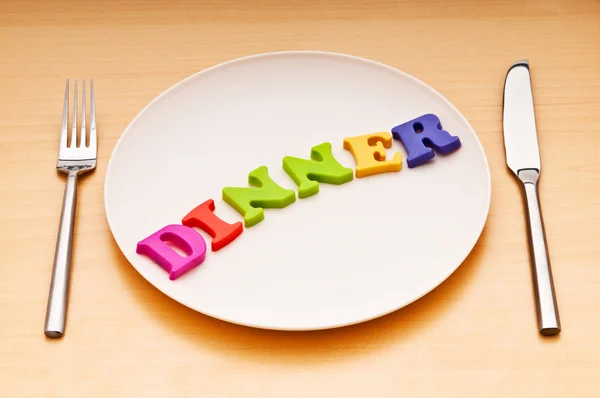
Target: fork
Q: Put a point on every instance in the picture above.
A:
(76, 155)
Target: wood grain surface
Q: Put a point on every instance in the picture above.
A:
(475, 335)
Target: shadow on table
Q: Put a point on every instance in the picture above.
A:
(300, 347)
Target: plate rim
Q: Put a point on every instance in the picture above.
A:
(304, 52)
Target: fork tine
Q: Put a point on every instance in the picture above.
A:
(82, 135)
(93, 139)
(74, 125)
(65, 118)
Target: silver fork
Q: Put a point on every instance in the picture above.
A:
(76, 155)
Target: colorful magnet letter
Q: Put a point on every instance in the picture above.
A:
(420, 135)
(321, 168)
(369, 154)
(203, 217)
(186, 239)
(249, 202)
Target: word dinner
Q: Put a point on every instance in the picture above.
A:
(419, 137)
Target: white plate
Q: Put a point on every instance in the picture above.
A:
(348, 254)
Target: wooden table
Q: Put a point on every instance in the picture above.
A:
(473, 336)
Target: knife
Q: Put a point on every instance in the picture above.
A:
(523, 158)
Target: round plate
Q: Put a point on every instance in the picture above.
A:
(348, 254)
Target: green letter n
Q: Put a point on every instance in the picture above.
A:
(249, 202)
(321, 168)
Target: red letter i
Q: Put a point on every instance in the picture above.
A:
(203, 217)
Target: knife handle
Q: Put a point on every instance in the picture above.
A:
(543, 285)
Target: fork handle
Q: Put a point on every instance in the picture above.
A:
(545, 297)
(56, 311)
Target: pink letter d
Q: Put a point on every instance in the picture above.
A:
(185, 238)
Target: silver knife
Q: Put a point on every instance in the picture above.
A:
(523, 158)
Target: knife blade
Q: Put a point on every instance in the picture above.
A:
(523, 158)
(520, 132)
